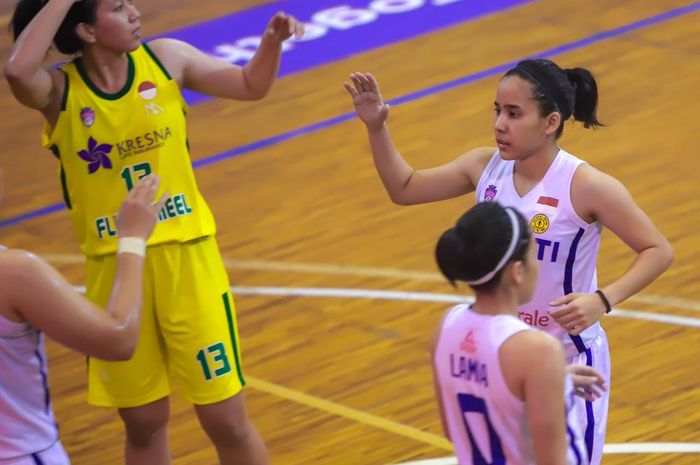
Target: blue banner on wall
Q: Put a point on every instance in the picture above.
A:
(335, 29)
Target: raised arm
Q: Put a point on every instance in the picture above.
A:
(195, 70)
(32, 84)
(35, 292)
(405, 185)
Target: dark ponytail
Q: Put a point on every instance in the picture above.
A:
(571, 92)
(25, 11)
(477, 243)
(66, 39)
(586, 96)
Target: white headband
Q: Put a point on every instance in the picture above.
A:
(509, 253)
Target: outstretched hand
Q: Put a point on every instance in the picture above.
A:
(367, 98)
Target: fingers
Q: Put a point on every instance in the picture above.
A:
(593, 376)
(585, 387)
(563, 300)
(366, 86)
(364, 82)
(571, 318)
(585, 395)
(158, 206)
(575, 330)
(145, 189)
(358, 82)
(276, 23)
(351, 90)
(373, 85)
(563, 315)
(144, 192)
(299, 30)
(285, 26)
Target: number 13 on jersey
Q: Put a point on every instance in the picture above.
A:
(134, 173)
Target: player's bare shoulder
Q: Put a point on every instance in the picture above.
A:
(172, 53)
(473, 163)
(590, 188)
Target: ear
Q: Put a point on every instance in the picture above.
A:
(553, 122)
(516, 272)
(86, 33)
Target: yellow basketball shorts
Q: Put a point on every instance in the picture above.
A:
(188, 329)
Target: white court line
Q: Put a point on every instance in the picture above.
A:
(639, 448)
(373, 272)
(675, 302)
(430, 297)
(632, 448)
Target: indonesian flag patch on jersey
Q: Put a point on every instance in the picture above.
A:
(147, 90)
(547, 204)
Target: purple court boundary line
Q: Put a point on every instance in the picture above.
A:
(671, 14)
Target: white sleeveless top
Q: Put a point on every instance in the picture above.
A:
(566, 246)
(27, 422)
(487, 423)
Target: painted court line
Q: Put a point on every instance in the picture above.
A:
(428, 297)
(630, 448)
(408, 431)
(571, 46)
(370, 272)
(350, 413)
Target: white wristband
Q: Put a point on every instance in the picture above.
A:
(134, 245)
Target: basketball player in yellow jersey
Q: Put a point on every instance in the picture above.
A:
(114, 115)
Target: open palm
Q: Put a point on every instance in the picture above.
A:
(367, 98)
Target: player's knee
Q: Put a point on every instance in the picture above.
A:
(228, 430)
(143, 424)
(226, 422)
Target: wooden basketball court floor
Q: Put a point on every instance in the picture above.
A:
(335, 345)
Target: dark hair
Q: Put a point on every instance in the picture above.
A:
(571, 91)
(66, 39)
(477, 243)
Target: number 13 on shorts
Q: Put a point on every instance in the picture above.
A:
(214, 361)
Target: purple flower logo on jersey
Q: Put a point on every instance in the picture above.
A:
(87, 116)
(490, 193)
(96, 156)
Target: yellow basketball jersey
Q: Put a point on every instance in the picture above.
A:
(107, 142)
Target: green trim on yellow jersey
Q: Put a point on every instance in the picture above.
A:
(107, 142)
(155, 58)
(65, 90)
(99, 92)
(62, 175)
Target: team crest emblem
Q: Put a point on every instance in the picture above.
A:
(148, 90)
(490, 193)
(87, 116)
(539, 223)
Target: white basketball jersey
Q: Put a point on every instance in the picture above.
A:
(487, 423)
(27, 422)
(566, 246)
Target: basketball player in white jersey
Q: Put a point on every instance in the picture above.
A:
(35, 299)
(566, 201)
(495, 408)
